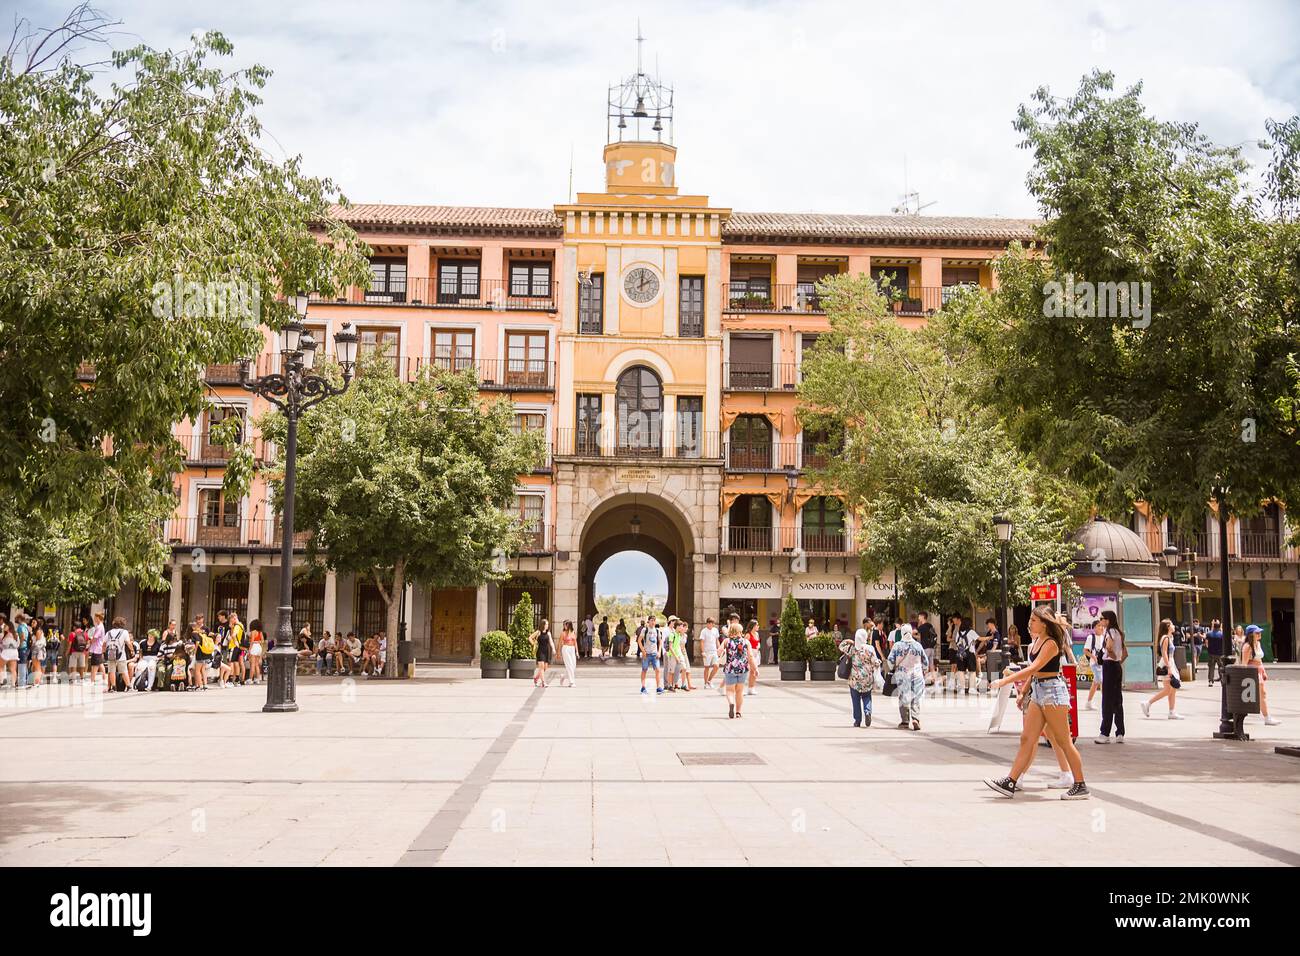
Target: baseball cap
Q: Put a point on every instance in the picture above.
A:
(1254, 629)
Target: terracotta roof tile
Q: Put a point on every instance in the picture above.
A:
(775, 225)
(794, 225)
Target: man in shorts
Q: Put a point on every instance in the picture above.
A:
(78, 645)
(680, 666)
(650, 649)
(709, 647)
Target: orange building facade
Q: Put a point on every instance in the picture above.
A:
(656, 339)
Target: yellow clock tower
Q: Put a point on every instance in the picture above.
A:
(638, 455)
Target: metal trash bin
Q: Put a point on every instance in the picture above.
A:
(993, 664)
(1180, 663)
(406, 659)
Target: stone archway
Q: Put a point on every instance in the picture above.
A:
(663, 533)
(593, 558)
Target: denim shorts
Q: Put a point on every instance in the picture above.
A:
(1052, 692)
(731, 680)
(648, 661)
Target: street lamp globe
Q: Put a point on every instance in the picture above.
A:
(307, 345)
(1171, 557)
(290, 336)
(1004, 526)
(345, 348)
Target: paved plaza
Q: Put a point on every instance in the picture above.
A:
(449, 769)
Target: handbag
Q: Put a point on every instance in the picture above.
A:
(844, 667)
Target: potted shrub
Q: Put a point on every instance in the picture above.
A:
(523, 653)
(824, 657)
(493, 653)
(792, 645)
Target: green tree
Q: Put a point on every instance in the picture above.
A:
(924, 469)
(409, 481)
(521, 629)
(119, 192)
(1190, 393)
(792, 643)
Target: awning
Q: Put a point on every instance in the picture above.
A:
(1157, 584)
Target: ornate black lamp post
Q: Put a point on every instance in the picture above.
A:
(1227, 725)
(1004, 527)
(294, 390)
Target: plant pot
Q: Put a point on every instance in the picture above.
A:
(792, 670)
(494, 670)
(522, 667)
(822, 670)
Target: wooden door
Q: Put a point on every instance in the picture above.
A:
(453, 624)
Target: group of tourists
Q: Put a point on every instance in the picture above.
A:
(342, 655)
(36, 652)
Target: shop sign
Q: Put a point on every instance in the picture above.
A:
(749, 586)
(812, 589)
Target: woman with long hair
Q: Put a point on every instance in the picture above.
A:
(255, 641)
(751, 634)
(738, 660)
(9, 651)
(545, 652)
(1049, 705)
(569, 652)
(1252, 655)
(1092, 654)
(1170, 672)
(1114, 652)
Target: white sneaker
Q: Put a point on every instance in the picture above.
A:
(1271, 722)
(1175, 715)
(1119, 738)
(1102, 740)
(1063, 781)
(1088, 706)
(749, 692)
(1146, 709)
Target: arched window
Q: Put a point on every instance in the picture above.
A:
(749, 527)
(750, 442)
(823, 525)
(639, 405)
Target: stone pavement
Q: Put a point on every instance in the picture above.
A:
(449, 769)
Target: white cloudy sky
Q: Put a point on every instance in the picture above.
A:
(784, 106)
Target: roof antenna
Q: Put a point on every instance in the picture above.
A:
(910, 202)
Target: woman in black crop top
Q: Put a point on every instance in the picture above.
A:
(1049, 707)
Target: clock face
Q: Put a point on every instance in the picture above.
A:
(641, 285)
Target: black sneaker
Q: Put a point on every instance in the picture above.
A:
(1006, 786)
(1078, 792)
(903, 726)
(866, 721)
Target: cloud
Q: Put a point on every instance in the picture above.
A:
(789, 106)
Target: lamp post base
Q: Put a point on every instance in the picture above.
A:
(281, 683)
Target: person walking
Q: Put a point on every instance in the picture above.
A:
(907, 663)
(569, 653)
(755, 642)
(1114, 653)
(863, 665)
(117, 650)
(681, 669)
(545, 644)
(36, 666)
(1092, 654)
(23, 631)
(1197, 638)
(709, 648)
(78, 649)
(9, 652)
(1168, 670)
(649, 647)
(53, 648)
(928, 638)
(620, 639)
(1048, 710)
(1252, 655)
(1214, 644)
(738, 655)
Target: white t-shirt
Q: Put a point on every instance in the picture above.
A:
(1116, 646)
(709, 639)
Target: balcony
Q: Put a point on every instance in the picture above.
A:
(764, 457)
(218, 532)
(760, 376)
(498, 295)
(199, 449)
(1244, 546)
(917, 300)
(799, 297)
(766, 540)
(497, 375)
(537, 540)
(594, 443)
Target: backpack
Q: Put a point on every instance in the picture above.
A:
(114, 644)
(79, 641)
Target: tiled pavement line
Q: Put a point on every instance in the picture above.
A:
(1195, 827)
(427, 848)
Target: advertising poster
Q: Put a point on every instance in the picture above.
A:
(1083, 612)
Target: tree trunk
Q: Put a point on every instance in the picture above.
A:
(394, 607)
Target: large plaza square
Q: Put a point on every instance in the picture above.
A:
(450, 769)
